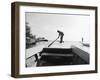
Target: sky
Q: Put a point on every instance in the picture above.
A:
(46, 25)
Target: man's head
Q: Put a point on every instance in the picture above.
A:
(58, 31)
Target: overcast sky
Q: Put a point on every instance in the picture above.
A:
(45, 25)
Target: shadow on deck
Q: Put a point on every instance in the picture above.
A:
(59, 56)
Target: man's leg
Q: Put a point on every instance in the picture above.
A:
(61, 39)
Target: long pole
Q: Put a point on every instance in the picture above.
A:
(53, 42)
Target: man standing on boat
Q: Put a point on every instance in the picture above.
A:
(61, 34)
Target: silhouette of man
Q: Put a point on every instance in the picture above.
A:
(61, 34)
(36, 57)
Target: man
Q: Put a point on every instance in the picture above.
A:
(61, 34)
